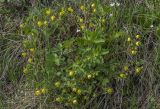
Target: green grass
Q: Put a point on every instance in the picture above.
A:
(111, 62)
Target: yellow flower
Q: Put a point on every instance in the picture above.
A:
(52, 18)
(138, 36)
(30, 60)
(138, 69)
(129, 39)
(78, 91)
(71, 73)
(82, 7)
(89, 76)
(25, 70)
(37, 93)
(109, 90)
(43, 90)
(138, 43)
(93, 5)
(125, 68)
(32, 50)
(74, 101)
(45, 22)
(134, 52)
(94, 10)
(57, 84)
(58, 99)
(122, 75)
(62, 12)
(48, 11)
(103, 20)
(80, 20)
(40, 23)
(24, 54)
(70, 9)
(82, 26)
(74, 89)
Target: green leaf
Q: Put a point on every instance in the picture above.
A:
(105, 51)
(57, 60)
(68, 43)
(105, 81)
(35, 31)
(39, 84)
(118, 34)
(99, 41)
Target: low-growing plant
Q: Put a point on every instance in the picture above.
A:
(67, 53)
(85, 54)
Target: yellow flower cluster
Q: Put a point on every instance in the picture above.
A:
(82, 8)
(123, 75)
(49, 13)
(70, 9)
(62, 12)
(82, 25)
(76, 90)
(136, 44)
(30, 59)
(93, 7)
(109, 90)
(41, 91)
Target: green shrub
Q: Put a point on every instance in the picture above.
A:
(88, 55)
(69, 54)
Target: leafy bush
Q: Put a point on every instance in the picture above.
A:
(78, 67)
(77, 54)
